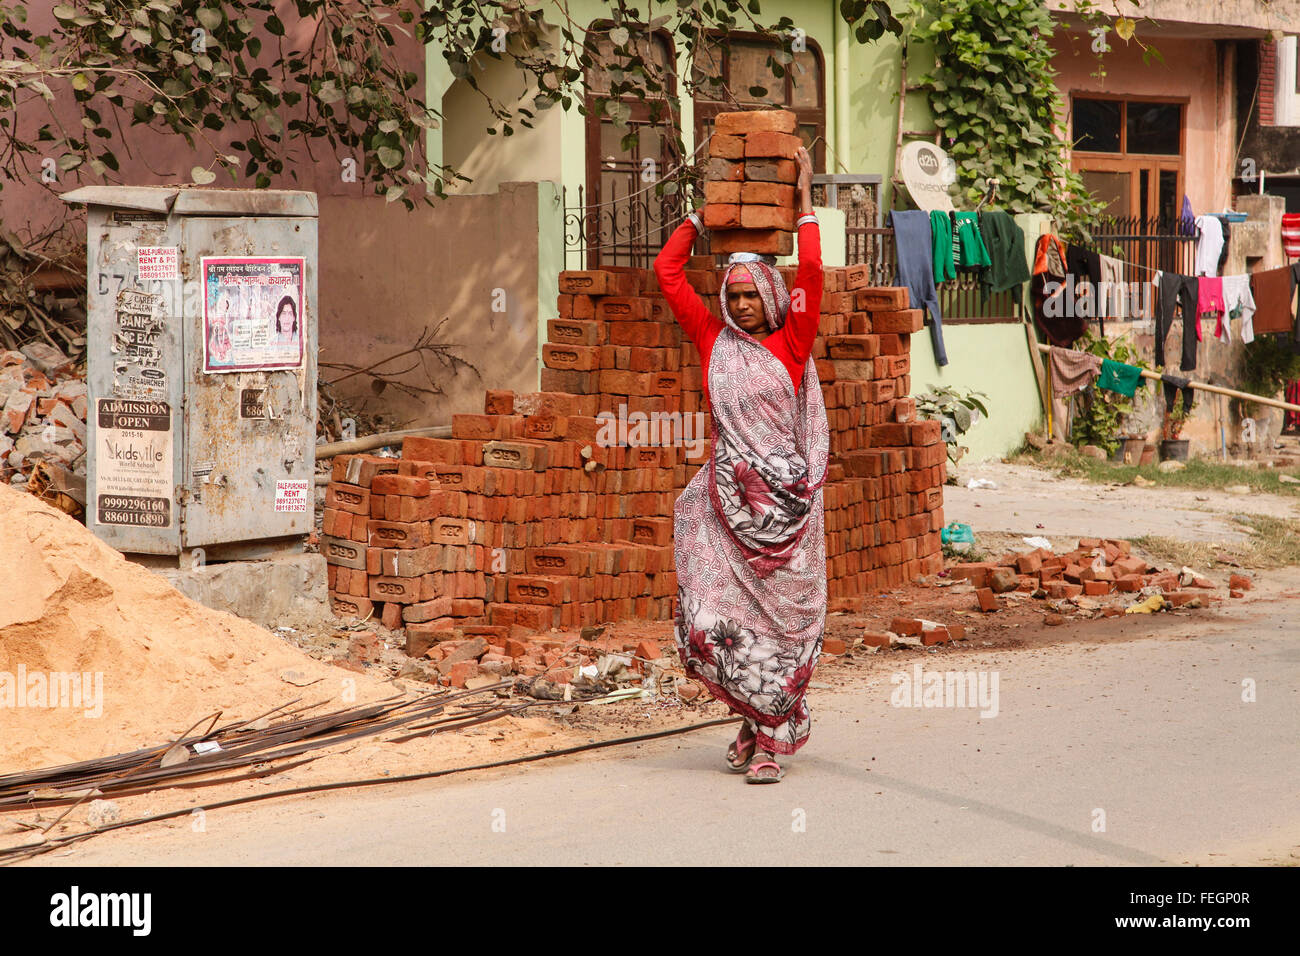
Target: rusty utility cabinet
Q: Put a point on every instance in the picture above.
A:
(202, 369)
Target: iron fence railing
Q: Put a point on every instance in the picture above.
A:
(1145, 246)
(620, 230)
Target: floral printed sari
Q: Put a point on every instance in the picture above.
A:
(749, 535)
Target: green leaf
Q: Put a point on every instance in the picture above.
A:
(390, 158)
(79, 81)
(202, 176)
(394, 193)
(141, 35)
(64, 12)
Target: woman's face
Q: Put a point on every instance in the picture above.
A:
(746, 307)
(286, 317)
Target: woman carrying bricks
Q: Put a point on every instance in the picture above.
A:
(749, 534)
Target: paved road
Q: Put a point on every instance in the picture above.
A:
(1153, 734)
(1030, 501)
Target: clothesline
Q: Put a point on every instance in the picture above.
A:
(1206, 387)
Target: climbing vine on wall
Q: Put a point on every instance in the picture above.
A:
(995, 102)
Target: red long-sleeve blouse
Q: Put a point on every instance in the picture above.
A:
(792, 343)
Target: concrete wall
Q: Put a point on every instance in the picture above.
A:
(386, 274)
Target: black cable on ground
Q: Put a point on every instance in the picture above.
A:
(12, 854)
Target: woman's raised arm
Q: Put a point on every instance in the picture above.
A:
(696, 321)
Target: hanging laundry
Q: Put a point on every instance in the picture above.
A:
(1172, 384)
(1120, 378)
(1005, 242)
(1187, 219)
(1209, 246)
(1052, 295)
(941, 233)
(1072, 370)
(1209, 301)
(1291, 234)
(1240, 304)
(1272, 289)
(1112, 298)
(1181, 293)
(967, 226)
(914, 247)
(1085, 267)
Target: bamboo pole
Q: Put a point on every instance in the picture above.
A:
(330, 449)
(1216, 389)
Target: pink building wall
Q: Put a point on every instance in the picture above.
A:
(1191, 70)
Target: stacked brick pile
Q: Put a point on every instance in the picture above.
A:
(1096, 568)
(532, 516)
(750, 182)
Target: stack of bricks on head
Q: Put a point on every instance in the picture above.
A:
(750, 189)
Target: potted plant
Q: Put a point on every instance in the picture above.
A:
(1172, 445)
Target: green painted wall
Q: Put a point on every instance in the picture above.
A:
(993, 359)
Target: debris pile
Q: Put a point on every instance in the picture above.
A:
(553, 509)
(42, 413)
(1081, 579)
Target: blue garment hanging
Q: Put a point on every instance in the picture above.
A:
(914, 247)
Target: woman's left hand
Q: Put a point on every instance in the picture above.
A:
(804, 197)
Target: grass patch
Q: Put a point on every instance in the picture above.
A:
(1273, 543)
(1198, 473)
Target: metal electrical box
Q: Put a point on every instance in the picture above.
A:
(201, 352)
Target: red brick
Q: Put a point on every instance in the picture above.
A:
(721, 215)
(853, 347)
(397, 534)
(767, 217)
(438, 450)
(986, 599)
(400, 485)
(582, 358)
(567, 331)
(906, 625)
(881, 299)
(499, 401)
(623, 309)
(767, 194)
(777, 242)
(351, 498)
(742, 122)
(771, 145)
(345, 605)
(770, 171)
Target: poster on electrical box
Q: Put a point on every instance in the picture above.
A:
(252, 314)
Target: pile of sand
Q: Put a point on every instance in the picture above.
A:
(70, 604)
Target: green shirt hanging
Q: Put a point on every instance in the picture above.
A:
(973, 251)
(1120, 378)
(941, 227)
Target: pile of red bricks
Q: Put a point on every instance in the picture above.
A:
(1096, 568)
(750, 191)
(529, 517)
